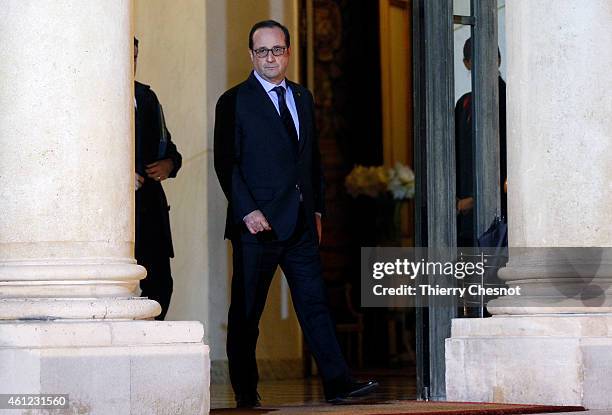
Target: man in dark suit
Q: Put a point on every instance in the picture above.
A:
(156, 160)
(268, 163)
(464, 145)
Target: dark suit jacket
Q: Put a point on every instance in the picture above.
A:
(464, 144)
(257, 164)
(153, 235)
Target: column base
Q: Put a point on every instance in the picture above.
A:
(132, 308)
(536, 359)
(121, 367)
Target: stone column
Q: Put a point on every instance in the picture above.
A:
(67, 272)
(559, 157)
(67, 162)
(552, 344)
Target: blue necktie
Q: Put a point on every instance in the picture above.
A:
(286, 116)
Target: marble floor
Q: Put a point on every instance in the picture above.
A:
(394, 385)
(309, 391)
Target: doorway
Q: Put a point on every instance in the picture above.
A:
(356, 57)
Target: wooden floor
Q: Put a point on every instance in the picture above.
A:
(309, 391)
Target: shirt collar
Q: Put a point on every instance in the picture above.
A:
(269, 86)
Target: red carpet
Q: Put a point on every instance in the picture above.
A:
(403, 408)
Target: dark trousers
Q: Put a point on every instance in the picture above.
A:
(158, 283)
(254, 266)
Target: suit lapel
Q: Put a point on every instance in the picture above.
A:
(263, 101)
(298, 97)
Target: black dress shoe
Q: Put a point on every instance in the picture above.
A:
(248, 400)
(348, 390)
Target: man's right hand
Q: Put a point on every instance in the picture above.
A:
(256, 222)
(139, 181)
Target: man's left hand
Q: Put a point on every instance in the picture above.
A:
(160, 170)
(319, 226)
(465, 205)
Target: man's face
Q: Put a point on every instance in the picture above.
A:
(271, 68)
(468, 63)
(135, 58)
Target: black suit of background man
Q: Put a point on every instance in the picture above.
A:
(274, 188)
(156, 159)
(464, 148)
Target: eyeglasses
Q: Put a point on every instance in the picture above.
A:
(276, 51)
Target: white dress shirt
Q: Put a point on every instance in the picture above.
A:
(269, 87)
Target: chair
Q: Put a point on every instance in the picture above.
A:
(349, 324)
